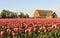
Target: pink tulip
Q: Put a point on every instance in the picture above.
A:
(38, 32)
(30, 29)
(44, 27)
(16, 29)
(40, 28)
(34, 29)
(3, 27)
(26, 31)
(45, 30)
(25, 25)
(54, 26)
(2, 33)
(58, 27)
(13, 34)
(49, 29)
(8, 31)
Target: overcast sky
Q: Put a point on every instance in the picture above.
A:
(29, 6)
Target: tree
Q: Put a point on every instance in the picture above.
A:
(14, 15)
(3, 13)
(21, 15)
(26, 16)
(6, 13)
(9, 14)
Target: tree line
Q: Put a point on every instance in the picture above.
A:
(9, 14)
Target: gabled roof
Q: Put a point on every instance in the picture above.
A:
(45, 12)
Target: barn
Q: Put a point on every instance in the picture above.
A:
(45, 14)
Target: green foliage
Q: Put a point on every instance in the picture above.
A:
(9, 14)
(3, 13)
(26, 16)
(14, 15)
(21, 15)
(6, 14)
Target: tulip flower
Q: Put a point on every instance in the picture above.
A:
(3, 26)
(30, 29)
(49, 29)
(58, 27)
(20, 30)
(26, 31)
(16, 29)
(2, 33)
(45, 30)
(8, 31)
(41, 28)
(34, 29)
(25, 25)
(13, 34)
(38, 32)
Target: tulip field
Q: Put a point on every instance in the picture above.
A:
(30, 28)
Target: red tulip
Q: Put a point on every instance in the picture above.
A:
(20, 30)
(2, 33)
(8, 31)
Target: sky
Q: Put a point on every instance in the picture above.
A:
(29, 6)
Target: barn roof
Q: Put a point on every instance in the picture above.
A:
(45, 12)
